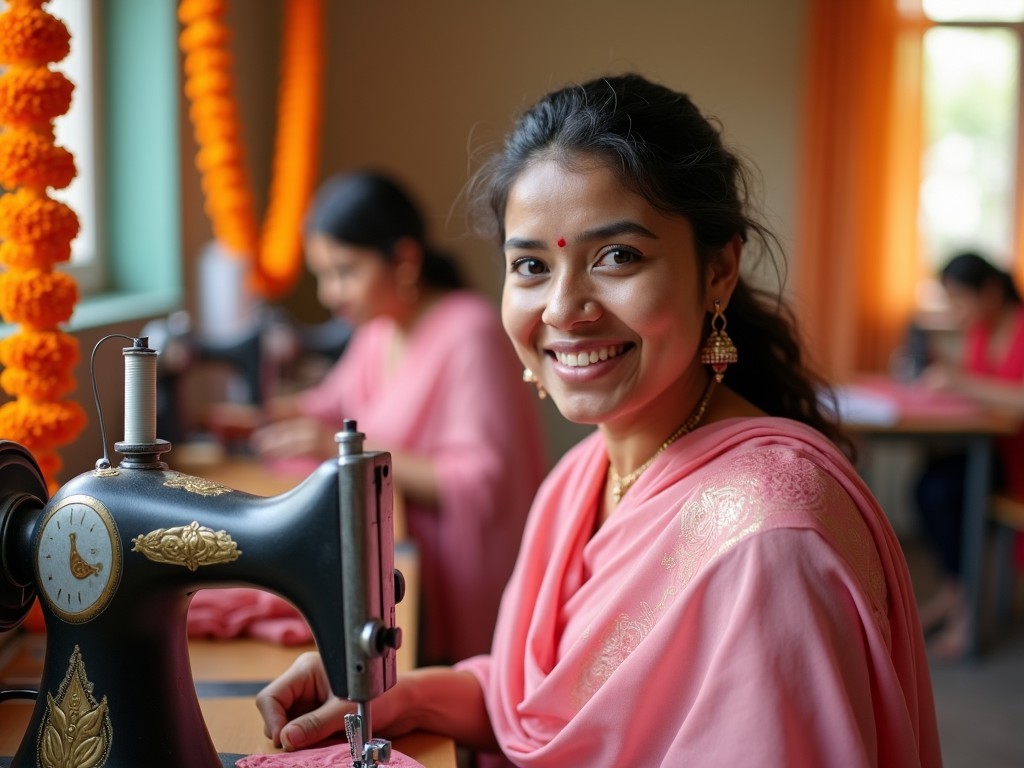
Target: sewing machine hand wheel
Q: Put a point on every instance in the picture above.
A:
(22, 495)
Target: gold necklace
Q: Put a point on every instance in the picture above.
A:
(622, 484)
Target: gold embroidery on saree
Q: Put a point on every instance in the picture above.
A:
(733, 502)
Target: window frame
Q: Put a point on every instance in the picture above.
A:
(137, 122)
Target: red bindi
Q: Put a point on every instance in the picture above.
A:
(561, 242)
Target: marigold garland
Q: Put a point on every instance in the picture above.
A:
(25, 255)
(29, 36)
(30, 160)
(37, 298)
(34, 96)
(36, 233)
(28, 216)
(45, 353)
(276, 251)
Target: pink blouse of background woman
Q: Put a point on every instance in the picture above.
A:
(457, 397)
(978, 360)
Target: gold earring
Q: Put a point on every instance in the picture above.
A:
(718, 351)
(531, 378)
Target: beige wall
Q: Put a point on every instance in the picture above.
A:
(418, 88)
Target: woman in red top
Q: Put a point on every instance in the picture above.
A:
(984, 302)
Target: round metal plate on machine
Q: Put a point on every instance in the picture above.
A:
(22, 495)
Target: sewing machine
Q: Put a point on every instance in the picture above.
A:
(116, 554)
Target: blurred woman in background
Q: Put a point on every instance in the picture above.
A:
(429, 376)
(986, 305)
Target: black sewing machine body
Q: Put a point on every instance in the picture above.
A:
(115, 557)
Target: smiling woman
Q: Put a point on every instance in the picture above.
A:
(708, 560)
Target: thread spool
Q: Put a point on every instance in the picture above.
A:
(139, 393)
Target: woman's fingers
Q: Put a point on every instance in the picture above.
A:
(301, 693)
(313, 727)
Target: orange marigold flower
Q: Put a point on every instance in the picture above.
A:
(205, 84)
(46, 352)
(37, 299)
(34, 385)
(32, 95)
(206, 59)
(43, 255)
(212, 131)
(223, 177)
(32, 36)
(41, 426)
(234, 199)
(205, 32)
(190, 11)
(27, 159)
(218, 153)
(31, 218)
(212, 108)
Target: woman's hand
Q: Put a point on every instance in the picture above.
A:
(291, 438)
(941, 377)
(299, 710)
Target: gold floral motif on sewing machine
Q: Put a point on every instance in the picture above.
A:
(76, 729)
(194, 484)
(189, 545)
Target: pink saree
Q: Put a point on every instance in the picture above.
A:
(746, 604)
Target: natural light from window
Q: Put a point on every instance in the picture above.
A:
(75, 131)
(974, 10)
(969, 164)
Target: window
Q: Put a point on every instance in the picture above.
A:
(76, 132)
(971, 168)
(123, 129)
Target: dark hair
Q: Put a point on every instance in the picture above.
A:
(663, 148)
(973, 271)
(371, 210)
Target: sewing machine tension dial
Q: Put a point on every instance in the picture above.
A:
(78, 558)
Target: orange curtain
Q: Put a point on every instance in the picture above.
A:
(857, 250)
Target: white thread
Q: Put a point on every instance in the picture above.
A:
(139, 396)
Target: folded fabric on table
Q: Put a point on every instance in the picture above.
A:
(246, 612)
(332, 756)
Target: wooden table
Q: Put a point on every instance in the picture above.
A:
(971, 427)
(232, 720)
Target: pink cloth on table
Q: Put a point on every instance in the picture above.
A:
(915, 401)
(333, 756)
(747, 602)
(241, 611)
(457, 396)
